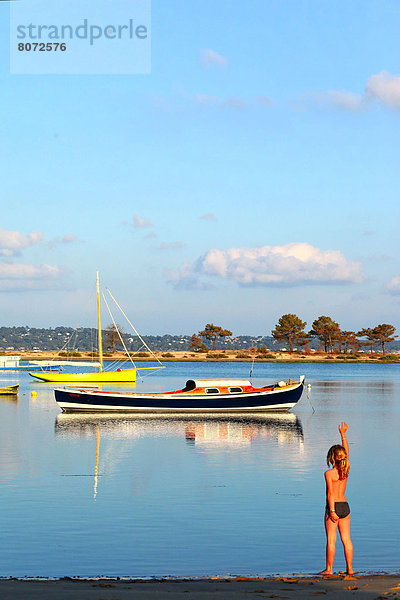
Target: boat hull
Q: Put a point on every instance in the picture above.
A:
(9, 390)
(122, 376)
(71, 400)
(20, 368)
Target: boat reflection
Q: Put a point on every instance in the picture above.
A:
(284, 428)
(13, 398)
(96, 466)
(208, 433)
(221, 429)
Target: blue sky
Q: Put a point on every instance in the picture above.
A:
(253, 173)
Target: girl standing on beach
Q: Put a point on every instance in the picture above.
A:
(337, 512)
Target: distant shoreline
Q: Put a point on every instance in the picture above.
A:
(221, 356)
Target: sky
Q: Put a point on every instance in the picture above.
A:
(253, 172)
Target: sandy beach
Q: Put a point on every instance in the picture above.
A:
(372, 586)
(226, 356)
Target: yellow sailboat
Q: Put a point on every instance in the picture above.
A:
(118, 375)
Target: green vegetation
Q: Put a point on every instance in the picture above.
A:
(262, 350)
(384, 334)
(212, 332)
(291, 329)
(197, 344)
(381, 334)
(327, 331)
(389, 357)
(367, 342)
(112, 336)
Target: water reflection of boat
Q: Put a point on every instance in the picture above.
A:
(208, 432)
(285, 427)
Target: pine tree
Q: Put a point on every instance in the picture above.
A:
(291, 329)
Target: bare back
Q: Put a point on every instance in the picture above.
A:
(335, 486)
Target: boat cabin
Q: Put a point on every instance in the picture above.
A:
(9, 361)
(218, 386)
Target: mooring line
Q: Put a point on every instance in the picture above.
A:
(304, 387)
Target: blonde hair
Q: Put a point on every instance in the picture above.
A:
(337, 457)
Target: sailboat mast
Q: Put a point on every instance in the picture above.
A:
(99, 321)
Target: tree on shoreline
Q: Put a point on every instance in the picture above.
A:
(111, 336)
(368, 332)
(327, 331)
(290, 328)
(197, 344)
(384, 333)
(212, 332)
(350, 341)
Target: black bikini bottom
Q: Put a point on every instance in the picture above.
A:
(342, 509)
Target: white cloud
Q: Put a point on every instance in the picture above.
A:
(27, 271)
(186, 279)
(210, 57)
(171, 245)
(28, 277)
(141, 223)
(208, 217)
(12, 242)
(235, 103)
(68, 238)
(384, 87)
(265, 100)
(291, 264)
(345, 100)
(393, 286)
(206, 100)
(332, 99)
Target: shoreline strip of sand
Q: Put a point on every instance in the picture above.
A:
(370, 586)
(224, 356)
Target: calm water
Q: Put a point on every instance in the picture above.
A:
(154, 497)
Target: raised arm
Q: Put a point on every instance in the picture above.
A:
(343, 427)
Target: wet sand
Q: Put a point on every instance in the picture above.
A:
(371, 586)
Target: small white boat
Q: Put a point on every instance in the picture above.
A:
(13, 363)
(198, 396)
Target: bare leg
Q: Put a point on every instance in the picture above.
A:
(344, 529)
(331, 533)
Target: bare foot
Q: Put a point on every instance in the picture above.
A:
(325, 572)
(350, 572)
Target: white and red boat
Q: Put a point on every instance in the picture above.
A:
(198, 396)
